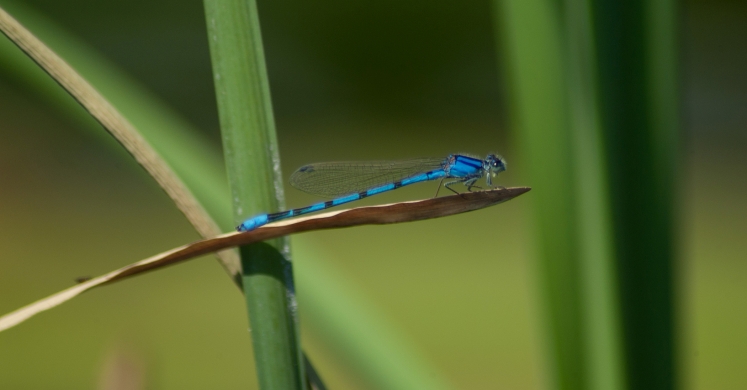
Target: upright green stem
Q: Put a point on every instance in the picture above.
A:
(604, 356)
(532, 32)
(594, 85)
(253, 166)
(636, 44)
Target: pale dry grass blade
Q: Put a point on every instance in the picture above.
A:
(121, 129)
(369, 215)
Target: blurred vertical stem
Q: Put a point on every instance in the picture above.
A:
(534, 61)
(636, 42)
(604, 357)
(594, 91)
(253, 166)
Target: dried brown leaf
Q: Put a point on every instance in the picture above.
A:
(369, 215)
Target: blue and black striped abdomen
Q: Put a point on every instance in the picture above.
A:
(263, 219)
(426, 176)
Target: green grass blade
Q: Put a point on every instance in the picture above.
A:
(552, 71)
(383, 357)
(603, 339)
(595, 103)
(178, 142)
(638, 73)
(531, 32)
(252, 160)
(119, 128)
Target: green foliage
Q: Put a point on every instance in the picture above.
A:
(594, 102)
(597, 124)
(253, 166)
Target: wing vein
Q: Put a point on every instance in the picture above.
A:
(331, 179)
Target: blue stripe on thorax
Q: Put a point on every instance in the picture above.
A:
(463, 166)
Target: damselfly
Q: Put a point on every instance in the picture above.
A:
(350, 181)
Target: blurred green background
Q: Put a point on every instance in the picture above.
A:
(362, 80)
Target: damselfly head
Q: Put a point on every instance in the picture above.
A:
(495, 163)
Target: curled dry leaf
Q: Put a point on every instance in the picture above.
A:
(369, 215)
(120, 128)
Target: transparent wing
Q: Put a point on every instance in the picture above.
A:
(331, 179)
